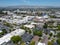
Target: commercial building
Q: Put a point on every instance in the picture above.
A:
(6, 38)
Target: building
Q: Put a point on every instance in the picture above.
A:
(39, 43)
(45, 39)
(41, 18)
(6, 38)
(14, 19)
(27, 38)
(35, 39)
(29, 26)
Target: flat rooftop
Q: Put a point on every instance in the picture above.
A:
(6, 38)
(29, 26)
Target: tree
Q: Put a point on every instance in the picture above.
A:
(30, 31)
(36, 32)
(0, 20)
(50, 43)
(4, 30)
(23, 43)
(8, 25)
(26, 29)
(58, 41)
(16, 39)
(32, 43)
(50, 34)
(45, 25)
(22, 27)
(1, 33)
(53, 40)
(58, 35)
(58, 27)
(52, 16)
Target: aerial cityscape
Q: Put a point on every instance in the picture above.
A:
(29, 22)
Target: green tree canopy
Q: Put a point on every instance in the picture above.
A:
(58, 35)
(50, 43)
(1, 33)
(36, 32)
(58, 27)
(4, 30)
(50, 34)
(16, 39)
(45, 25)
(8, 25)
(23, 43)
(32, 43)
(58, 41)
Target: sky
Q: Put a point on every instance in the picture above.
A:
(4, 3)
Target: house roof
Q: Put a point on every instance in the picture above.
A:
(35, 38)
(27, 37)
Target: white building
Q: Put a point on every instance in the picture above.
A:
(8, 12)
(14, 19)
(42, 17)
(39, 43)
(6, 38)
(29, 26)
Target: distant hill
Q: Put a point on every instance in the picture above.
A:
(27, 6)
